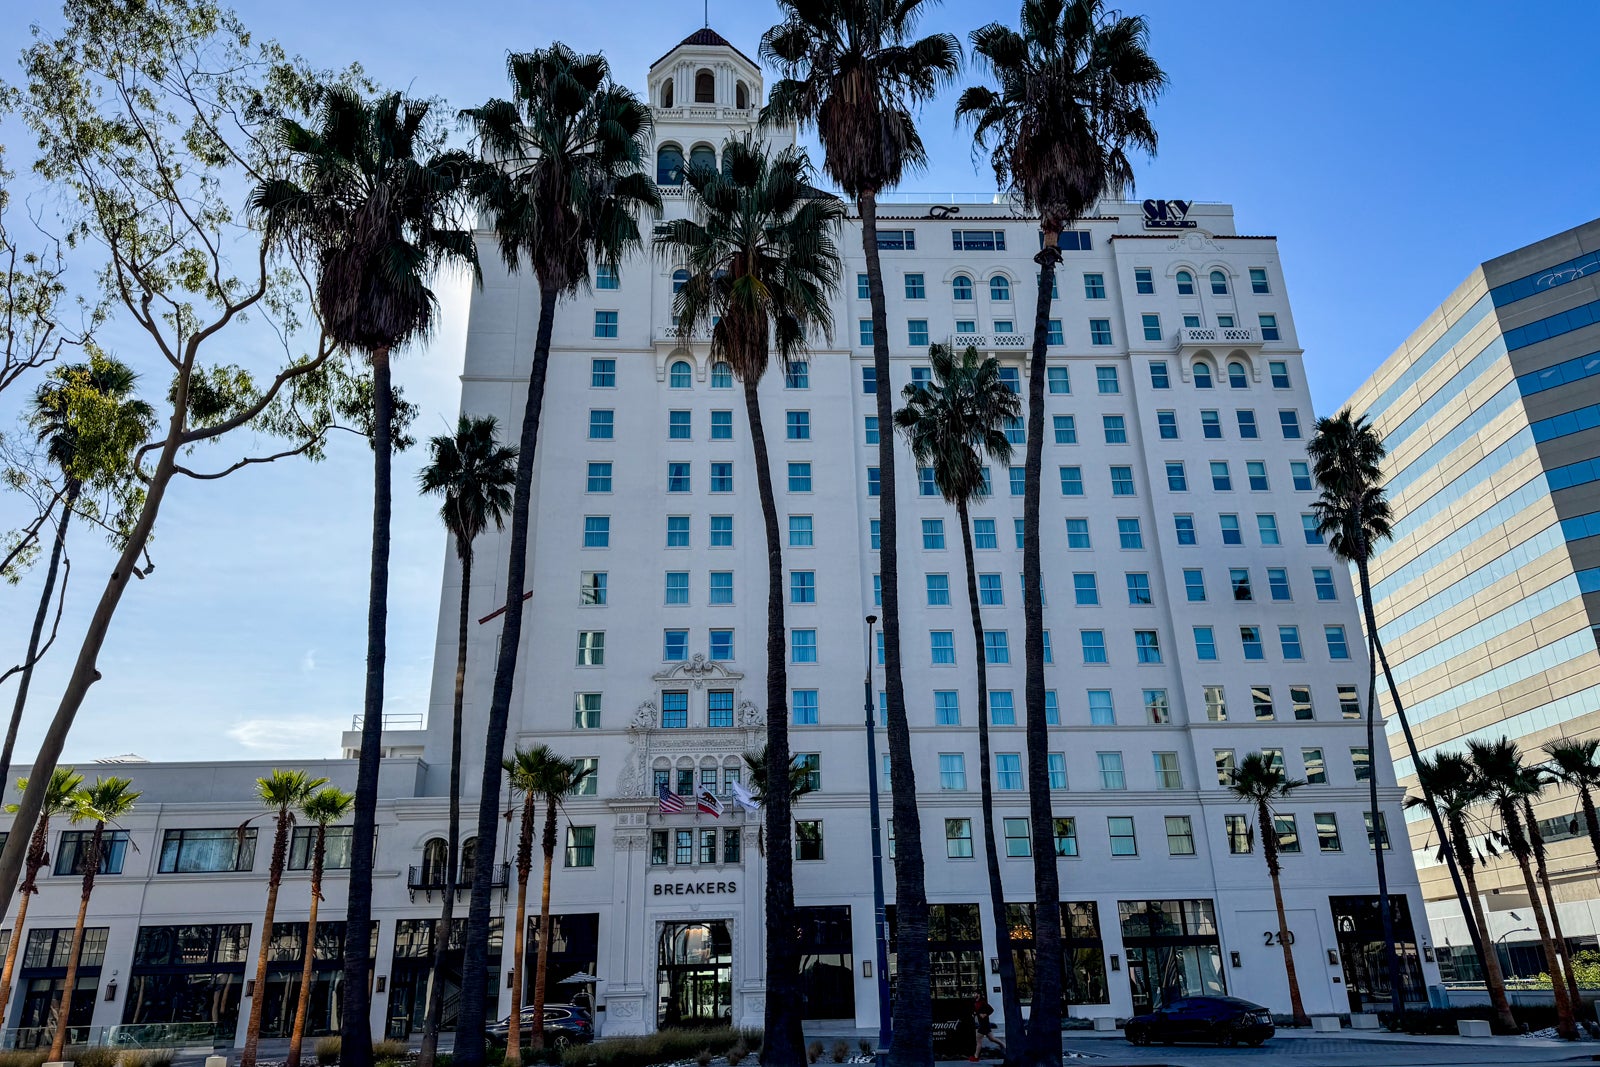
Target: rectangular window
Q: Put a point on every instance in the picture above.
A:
(677, 588)
(1052, 708)
(603, 373)
(1120, 829)
(800, 533)
(1290, 422)
(1053, 334)
(1183, 529)
(897, 240)
(207, 851)
(1258, 280)
(946, 707)
(1019, 841)
(591, 648)
(926, 484)
(1349, 702)
(1122, 481)
(1327, 832)
(917, 332)
(1157, 709)
(1269, 327)
(1261, 701)
(932, 533)
(678, 477)
(966, 326)
(605, 324)
(874, 482)
(863, 288)
(721, 645)
(1338, 646)
(996, 647)
(1159, 378)
(802, 646)
(799, 477)
(1309, 526)
(73, 854)
(599, 479)
(1010, 377)
(1147, 646)
(983, 535)
(1129, 535)
(990, 590)
(1277, 580)
(722, 477)
(798, 425)
(1100, 332)
(1231, 534)
(1102, 712)
(958, 839)
(1106, 382)
(1094, 645)
(802, 587)
(797, 375)
(1288, 831)
(1066, 835)
(1300, 472)
(1211, 425)
(808, 833)
(1152, 327)
(803, 705)
(580, 846)
(600, 424)
(1019, 480)
(605, 276)
(942, 644)
(938, 590)
(586, 711)
(680, 426)
(952, 771)
(978, 240)
(592, 589)
(674, 645)
(1059, 383)
(1116, 429)
(1316, 766)
(1143, 282)
(1194, 585)
(1221, 479)
(1138, 589)
(1256, 473)
(1056, 763)
(875, 533)
(1267, 529)
(1094, 286)
(1205, 643)
(1300, 700)
(1085, 591)
(1216, 701)
(1250, 638)
(1361, 761)
(722, 425)
(1077, 533)
(1111, 775)
(915, 289)
(1241, 842)
(1008, 771)
(597, 531)
(720, 589)
(1180, 836)
(1248, 430)
(1279, 370)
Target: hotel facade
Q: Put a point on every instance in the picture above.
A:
(1488, 595)
(1193, 617)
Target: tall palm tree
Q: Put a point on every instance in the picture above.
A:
(474, 474)
(1071, 99)
(799, 779)
(1352, 510)
(379, 206)
(539, 774)
(856, 71)
(567, 190)
(1258, 782)
(58, 799)
(90, 422)
(1505, 782)
(1534, 782)
(283, 793)
(955, 419)
(1576, 763)
(107, 801)
(322, 809)
(760, 249)
(1456, 788)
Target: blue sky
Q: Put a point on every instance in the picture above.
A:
(1389, 146)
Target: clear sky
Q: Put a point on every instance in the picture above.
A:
(1390, 146)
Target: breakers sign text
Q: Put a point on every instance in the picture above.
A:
(685, 889)
(1168, 215)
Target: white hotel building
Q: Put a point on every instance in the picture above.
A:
(1192, 618)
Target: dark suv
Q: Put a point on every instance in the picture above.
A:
(564, 1024)
(1226, 1021)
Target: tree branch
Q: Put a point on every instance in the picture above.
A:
(246, 462)
(55, 627)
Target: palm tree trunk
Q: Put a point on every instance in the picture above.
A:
(1385, 905)
(1450, 863)
(1044, 1022)
(1591, 821)
(355, 1031)
(540, 977)
(1010, 1004)
(441, 935)
(70, 501)
(1269, 848)
(303, 1005)
(1536, 839)
(1565, 1024)
(912, 1045)
(252, 1033)
(70, 983)
(784, 1044)
(1493, 978)
(519, 936)
(37, 857)
(468, 1049)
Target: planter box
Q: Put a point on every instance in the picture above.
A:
(1104, 1022)
(1325, 1024)
(1473, 1027)
(1363, 1020)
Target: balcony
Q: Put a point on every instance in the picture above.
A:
(992, 342)
(1197, 337)
(428, 881)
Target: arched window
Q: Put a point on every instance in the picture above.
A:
(469, 857)
(741, 95)
(1236, 376)
(680, 278)
(961, 287)
(1185, 283)
(705, 87)
(681, 375)
(669, 165)
(435, 862)
(721, 375)
(703, 155)
(999, 287)
(666, 94)
(1202, 374)
(1219, 283)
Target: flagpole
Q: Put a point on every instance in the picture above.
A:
(885, 1023)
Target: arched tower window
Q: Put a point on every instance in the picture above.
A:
(1236, 376)
(999, 287)
(435, 862)
(666, 94)
(1185, 283)
(1202, 374)
(682, 375)
(669, 165)
(469, 858)
(741, 95)
(703, 156)
(1219, 283)
(680, 278)
(705, 87)
(961, 287)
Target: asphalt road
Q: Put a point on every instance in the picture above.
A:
(1326, 1052)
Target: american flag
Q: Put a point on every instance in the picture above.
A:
(670, 802)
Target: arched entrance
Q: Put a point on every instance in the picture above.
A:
(694, 975)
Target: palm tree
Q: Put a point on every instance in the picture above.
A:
(566, 192)
(322, 809)
(1576, 764)
(283, 793)
(951, 422)
(1352, 510)
(1072, 98)
(90, 422)
(799, 785)
(856, 71)
(474, 473)
(1456, 788)
(1259, 782)
(538, 773)
(1506, 784)
(107, 801)
(760, 249)
(378, 206)
(1534, 784)
(64, 784)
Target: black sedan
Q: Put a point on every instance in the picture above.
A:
(1226, 1021)
(564, 1024)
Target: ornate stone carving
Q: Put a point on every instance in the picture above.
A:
(624, 1008)
(697, 672)
(1194, 240)
(750, 716)
(644, 717)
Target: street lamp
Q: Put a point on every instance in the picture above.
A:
(885, 1026)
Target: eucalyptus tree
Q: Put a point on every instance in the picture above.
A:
(760, 248)
(322, 809)
(1071, 97)
(1575, 763)
(566, 189)
(1259, 782)
(855, 71)
(960, 415)
(58, 800)
(378, 204)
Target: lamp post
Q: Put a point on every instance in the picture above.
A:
(885, 1025)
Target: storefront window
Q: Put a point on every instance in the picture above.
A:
(1172, 949)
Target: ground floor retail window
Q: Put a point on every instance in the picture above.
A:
(694, 974)
(1173, 951)
(827, 975)
(189, 977)
(574, 950)
(42, 980)
(285, 963)
(1358, 924)
(411, 975)
(955, 961)
(1082, 952)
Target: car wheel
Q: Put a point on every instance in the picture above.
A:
(1226, 1040)
(1256, 1042)
(560, 1042)
(1135, 1037)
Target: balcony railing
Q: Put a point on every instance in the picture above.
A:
(428, 881)
(1201, 336)
(408, 720)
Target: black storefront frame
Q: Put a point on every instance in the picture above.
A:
(1149, 953)
(1358, 929)
(173, 981)
(38, 1009)
(955, 963)
(285, 965)
(411, 971)
(1082, 951)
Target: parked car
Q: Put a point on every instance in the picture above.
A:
(1226, 1021)
(564, 1024)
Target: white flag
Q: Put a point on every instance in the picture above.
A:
(742, 797)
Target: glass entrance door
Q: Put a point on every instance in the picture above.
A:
(694, 977)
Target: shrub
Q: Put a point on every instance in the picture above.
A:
(865, 1046)
(1441, 1020)
(327, 1050)
(92, 1055)
(389, 1050)
(840, 1051)
(19, 1058)
(703, 1057)
(737, 1053)
(814, 1052)
(147, 1057)
(647, 1050)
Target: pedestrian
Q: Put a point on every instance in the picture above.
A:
(983, 1027)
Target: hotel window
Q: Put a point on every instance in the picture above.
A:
(683, 846)
(1071, 481)
(1000, 288)
(1147, 646)
(1138, 589)
(1143, 282)
(917, 332)
(599, 478)
(1361, 761)
(1116, 429)
(1280, 374)
(708, 841)
(1274, 758)
(896, 241)
(800, 534)
(1300, 472)
(722, 477)
(1185, 283)
(1239, 581)
(1120, 829)
(803, 704)
(1106, 381)
(597, 531)
(1019, 843)
(1256, 472)
(1349, 702)
(946, 707)
(721, 645)
(983, 535)
(978, 240)
(1100, 331)
(1191, 322)
(1289, 421)
(600, 424)
(206, 851)
(1180, 836)
(1316, 767)
(1167, 425)
(603, 373)
(1152, 327)
(1056, 764)
(932, 533)
(589, 782)
(961, 287)
(1327, 831)
(990, 590)
(680, 375)
(1202, 374)
(1250, 638)
(1308, 525)
(1015, 432)
(1053, 334)
(1261, 701)
(952, 771)
(874, 482)
(802, 646)
(1157, 710)
(605, 324)
(863, 288)
(73, 854)
(808, 833)
(722, 425)
(674, 645)
(1236, 375)
(996, 647)
(1211, 425)
(1059, 383)
(677, 531)
(1102, 711)
(875, 533)
(679, 426)
(1223, 758)
(966, 326)
(1338, 646)
(1240, 839)
(797, 375)
(958, 839)
(1269, 327)
(1258, 280)
(677, 588)
(586, 712)
(1122, 481)
(915, 289)
(1066, 835)
(1230, 530)
(942, 644)
(1129, 534)
(1019, 480)
(1267, 529)
(869, 375)
(1248, 430)
(1183, 529)
(1216, 701)
(1094, 645)
(591, 648)
(926, 485)
(677, 477)
(1219, 283)
(802, 588)
(938, 590)
(1205, 643)
(1078, 533)
(1221, 479)
(658, 848)
(871, 423)
(720, 589)
(1177, 480)
(1008, 771)
(1052, 708)
(1277, 577)
(800, 477)
(798, 425)
(722, 531)
(1288, 832)
(1111, 775)
(1300, 700)
(1194, 585)
(1085, 591)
